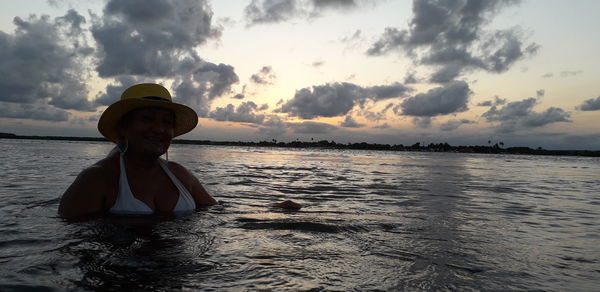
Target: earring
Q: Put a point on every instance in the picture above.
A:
(122, 146)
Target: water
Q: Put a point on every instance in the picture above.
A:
(372, 221)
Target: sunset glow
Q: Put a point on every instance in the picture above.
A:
(521, 72)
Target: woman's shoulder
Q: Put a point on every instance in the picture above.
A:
(106, 169)
(182, 173)
(177, 169)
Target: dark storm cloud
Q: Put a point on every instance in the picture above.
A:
(40, 112)
(337, 99)
(311, 128)
(590, 104)
(273, 11)
(452, 125)
(449, 36)
(245, 113)
(264, 76)
(42, 62)
(349, 122)
(151, 37)
(520, 114)
(450, 98)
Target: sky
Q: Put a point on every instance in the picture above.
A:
(524, 73)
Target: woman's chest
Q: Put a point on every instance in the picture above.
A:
(159, 192)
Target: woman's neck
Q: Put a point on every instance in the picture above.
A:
(139, 161)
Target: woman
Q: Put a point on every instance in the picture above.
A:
(133, 179)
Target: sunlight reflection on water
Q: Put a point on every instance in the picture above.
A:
(372, 221)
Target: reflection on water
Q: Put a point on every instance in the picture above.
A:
(373, 221)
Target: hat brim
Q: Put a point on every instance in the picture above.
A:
(186, 118)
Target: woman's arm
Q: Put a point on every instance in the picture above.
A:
(86, 194)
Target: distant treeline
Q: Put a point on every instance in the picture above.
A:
(432, 147)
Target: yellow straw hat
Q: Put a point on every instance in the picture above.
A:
(145, 95)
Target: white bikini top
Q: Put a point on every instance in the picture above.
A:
(128, 204)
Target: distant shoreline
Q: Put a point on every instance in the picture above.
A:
(440, 147)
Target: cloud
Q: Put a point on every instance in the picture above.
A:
(570, 73)
(485, 103)
(450, 98)
(452, 125)
(158, 39)
(334, 3)
(551, 115)
(411, 78)
(270, 11)
(317, 64)
(245, 113)
(382, 126)
(264, 76)
(42, 62)
(354, 41)
(206, 83)
(40, 112)
(311, 128)
(449, 36)
(337, 99)
(151, 37)
(519, 114)
(497, 101)
(512, 110)
(590, 104)
(422, 122)
(113, 92)
(540, 93)
(274, 11)
(377, 116)
(273, 126)
(349, 122)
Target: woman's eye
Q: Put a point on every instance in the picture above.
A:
(169, 122)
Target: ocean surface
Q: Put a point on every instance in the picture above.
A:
(372, 221)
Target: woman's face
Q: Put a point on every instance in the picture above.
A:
(149, 130)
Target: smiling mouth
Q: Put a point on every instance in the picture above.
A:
(155, 140)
